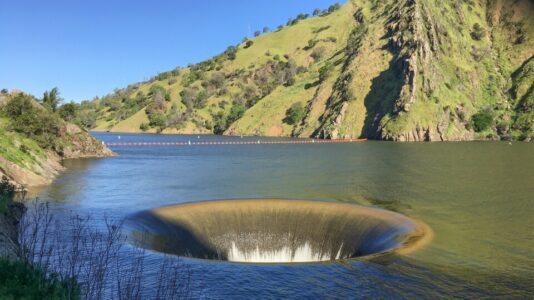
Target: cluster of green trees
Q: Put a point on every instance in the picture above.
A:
(482, 121)
(30, 119)
(295, 114)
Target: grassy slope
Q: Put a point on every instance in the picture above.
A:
(11, 144)
(471, 75)
(456, 76)
(287, 41)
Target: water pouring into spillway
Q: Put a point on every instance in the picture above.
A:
(273, 231)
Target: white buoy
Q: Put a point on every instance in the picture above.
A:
(189, 142)
(198, 137)
(119, 137)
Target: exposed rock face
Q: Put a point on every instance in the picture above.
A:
(82, 145)
(43, 173)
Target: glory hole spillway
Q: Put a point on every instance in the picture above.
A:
(273, 231)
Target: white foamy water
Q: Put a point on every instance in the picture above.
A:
(285, 254)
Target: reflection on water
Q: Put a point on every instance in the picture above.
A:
(477, 198)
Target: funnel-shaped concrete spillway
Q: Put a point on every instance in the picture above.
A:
(272, 231)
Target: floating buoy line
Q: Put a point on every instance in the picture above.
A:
(249, 142)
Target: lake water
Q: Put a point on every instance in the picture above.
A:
(477, 197)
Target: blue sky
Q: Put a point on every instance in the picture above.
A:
(88, 48)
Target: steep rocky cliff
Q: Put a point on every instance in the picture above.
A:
(401, 70)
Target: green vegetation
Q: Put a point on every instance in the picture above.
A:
(396, 70)
(482, 121)
(19, 280)
(30, 133)
(22, 280)
(295, 114)
(7, 192)
(478, 32)
(51, 100)
(27, 118)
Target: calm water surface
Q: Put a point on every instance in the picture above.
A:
(477, 197)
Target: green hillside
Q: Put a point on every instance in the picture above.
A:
(407, 70)
(34, 138)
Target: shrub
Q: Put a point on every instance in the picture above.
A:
(144, 127)
(7, 193)
(172, 81)
(318, 53)
(236, 113)
(321, 29)
(164, 75)
(482, 121)
(324, 71)
(333, 8)
(266, 29)
(176, 71)
(19, 280)
(478, 32)
(257, 33)
(248, 44)
(294, 114)
(316, 12)
(311, 44)
(157, 120)
(217, 80)
(231, 52)
(87, 119)
(69, 111)
(302, 16)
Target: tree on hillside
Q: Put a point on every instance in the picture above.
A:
(217, 80)
(257, 33)
(316, 12)
(478, 32)
(334, 7)
(231, 52)
(38, 124)
(294, 114)
(482, 121)
(318, 53)
(68, 111)
(266, 29)
(51, 100)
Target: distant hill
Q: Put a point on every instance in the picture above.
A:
(34, 140)
(403, 70)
